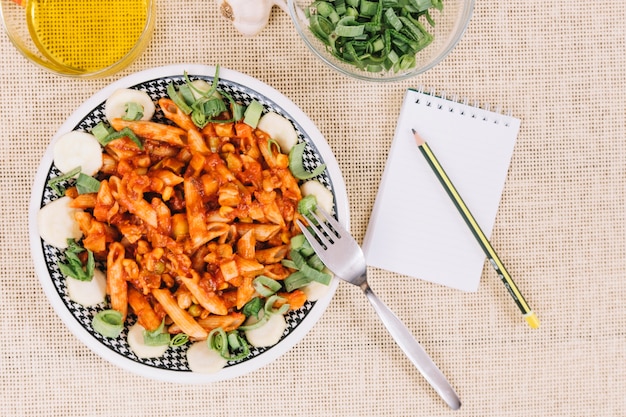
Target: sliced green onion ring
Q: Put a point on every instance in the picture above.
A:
(218, 341)
(296, 163)
(179, 339)
(269, 305)
(266, 286)
(260, 322)
(108, 323)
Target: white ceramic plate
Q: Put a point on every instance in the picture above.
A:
(173, 365)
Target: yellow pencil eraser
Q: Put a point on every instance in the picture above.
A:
(532, 320)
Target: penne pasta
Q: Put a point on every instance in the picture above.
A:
(187, 222)
(117, 287)
(182, 318)
(154, 131)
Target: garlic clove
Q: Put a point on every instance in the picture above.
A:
(249, 17)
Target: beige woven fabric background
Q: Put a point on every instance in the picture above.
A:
(559, 66)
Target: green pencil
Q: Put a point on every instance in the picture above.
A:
(491, 254)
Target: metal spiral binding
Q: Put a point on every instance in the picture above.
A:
(464, 102)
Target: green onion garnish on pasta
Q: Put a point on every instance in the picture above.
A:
(108, 323)
(134, 111)
(156, 337)
(125, 132)
(266, 286)
(296, 163)
(86, 184)
(54, 182)
(230, 345)
(73, 266)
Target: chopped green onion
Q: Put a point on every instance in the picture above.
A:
(73, 266)
(156, 337)
(101, 131)
(297, 241)
(208, 93)
(340, 7)
(125, 132)
(269, 306)
(315, 275)
(297, 258)
(288, 263)
(237, 346)
(237, 110)
(266, 286)
(208, 106)
(86, 184)
(252, 307)
(178, 99)
(273, 142)
(373, 35)
(392, 19)
(307, 205)
(309, 270)
(185, 92)
(368, 8)
(296, 163)
(306, 249)
(315, 261)
(179, 340)
(422, 5)
(218, 341)
(230, 345)
(108, 323)
(54, 182)
(134, 111)
(348, 27)
(296, 280)
(260, 322)
(253, 113)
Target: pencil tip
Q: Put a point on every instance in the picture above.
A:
(418, 139)
(532, 320)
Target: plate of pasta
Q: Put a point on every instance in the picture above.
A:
(163, 223)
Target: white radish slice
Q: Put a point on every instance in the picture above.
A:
(137, 345)
(269, 333)
(56, 223)
(280, 129)
(322, 195)
(87, 293)
(78, 149)
(115, 106)
(202, 359)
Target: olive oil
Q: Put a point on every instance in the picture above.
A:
(86, 35)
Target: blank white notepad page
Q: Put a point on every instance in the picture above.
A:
(415, 229)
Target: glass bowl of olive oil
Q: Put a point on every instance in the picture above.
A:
(79, 38)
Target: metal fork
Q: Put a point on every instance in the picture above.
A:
(342, 255)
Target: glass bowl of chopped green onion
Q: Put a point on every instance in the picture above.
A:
(381, 40)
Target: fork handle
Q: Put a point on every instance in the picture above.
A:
(413, 350)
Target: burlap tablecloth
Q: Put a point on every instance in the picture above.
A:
(558, 66)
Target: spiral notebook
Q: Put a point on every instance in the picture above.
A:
(414, 228)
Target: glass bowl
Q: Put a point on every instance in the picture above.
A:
(450, 24)
(44, 32)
